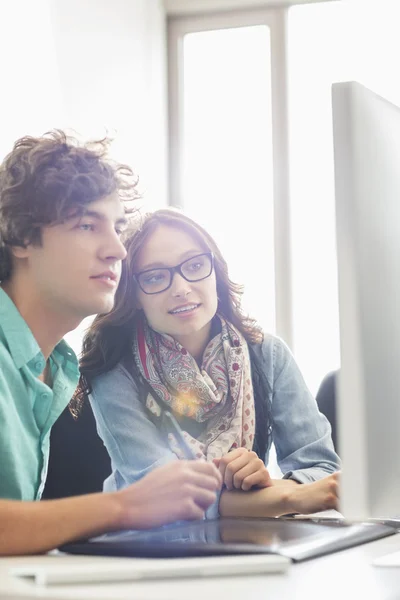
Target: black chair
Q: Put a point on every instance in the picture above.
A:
(326, 400)
(79, 461)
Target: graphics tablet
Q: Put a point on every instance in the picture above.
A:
(297, 540)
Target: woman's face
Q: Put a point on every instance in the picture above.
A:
(185, 309)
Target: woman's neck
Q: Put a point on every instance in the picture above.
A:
(196, 343)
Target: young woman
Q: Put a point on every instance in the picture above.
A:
(178, 341)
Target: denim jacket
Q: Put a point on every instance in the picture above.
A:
(300, 433)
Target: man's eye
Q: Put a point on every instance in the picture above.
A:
(86, 226)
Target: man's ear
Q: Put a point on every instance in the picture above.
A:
(20, 251)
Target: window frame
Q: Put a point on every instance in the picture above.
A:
(276, 19)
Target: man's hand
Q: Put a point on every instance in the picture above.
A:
(241, 469)
(180, 490)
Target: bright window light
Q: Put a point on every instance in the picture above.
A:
(319, 54)
(227, 154)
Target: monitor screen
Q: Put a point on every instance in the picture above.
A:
(367, 187)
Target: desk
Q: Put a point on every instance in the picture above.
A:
(338, 576)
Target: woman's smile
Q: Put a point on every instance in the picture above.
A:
(185, 310)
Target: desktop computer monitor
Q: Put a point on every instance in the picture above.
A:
(367, 187)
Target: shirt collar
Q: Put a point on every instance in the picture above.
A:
(20, 340)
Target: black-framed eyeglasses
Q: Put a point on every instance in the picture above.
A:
(155, 281)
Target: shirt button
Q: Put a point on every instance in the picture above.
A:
(39, 365)
(44, 396)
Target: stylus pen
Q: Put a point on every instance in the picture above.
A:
(174, 428)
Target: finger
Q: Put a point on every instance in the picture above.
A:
(266, 479)
(216, 463)
(330, 501)
(234, 467)
(259, 478)
(222, 468)
(204, 468)
(253, 467)
(337, 490)
(334, 487)
(222, 463)
(202, 480)
(201, 496)
(329, 485)
(336, 476)
(229, 458)
(233, 455)
(190, 511)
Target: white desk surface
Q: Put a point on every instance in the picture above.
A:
(338, 576)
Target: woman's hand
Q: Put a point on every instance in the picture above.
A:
(314, 497)
(282, 498)
(241, 469)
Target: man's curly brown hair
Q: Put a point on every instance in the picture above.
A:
(45, 180)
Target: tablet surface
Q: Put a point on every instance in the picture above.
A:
(294, 539)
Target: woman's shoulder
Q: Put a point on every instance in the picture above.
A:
(272, 352)
(117, 377)
(269, 346)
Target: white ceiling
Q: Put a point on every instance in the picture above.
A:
(187, 7)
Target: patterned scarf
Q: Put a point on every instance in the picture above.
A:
(220, 394)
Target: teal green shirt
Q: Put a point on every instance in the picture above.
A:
(28, 407)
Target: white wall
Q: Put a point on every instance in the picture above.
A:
(92, 66)
(112, 65)
(89, 65)
(186, 7)
(30, 93)
(377, 45)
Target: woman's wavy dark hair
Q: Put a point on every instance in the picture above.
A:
(109, 339)
(45, 180)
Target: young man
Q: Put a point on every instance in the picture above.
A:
(62, 211)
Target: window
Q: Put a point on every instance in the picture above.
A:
(227, 154)
(316, 60)
(249, 98)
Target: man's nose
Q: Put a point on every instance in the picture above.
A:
(114, 248)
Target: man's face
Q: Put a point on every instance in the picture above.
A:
(77, 268)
